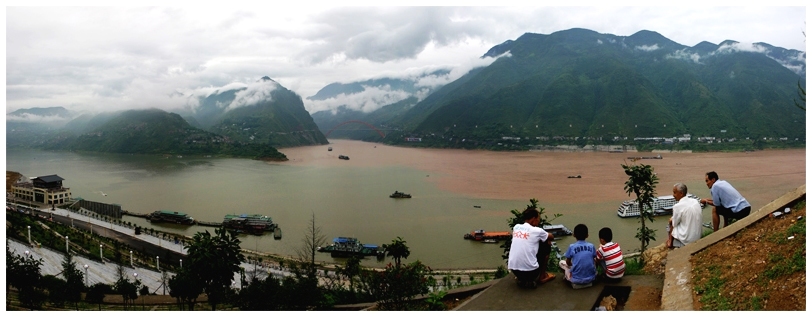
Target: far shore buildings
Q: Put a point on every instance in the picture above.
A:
(43, 190)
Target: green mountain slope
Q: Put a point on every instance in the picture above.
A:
(156, 131)
(580, 83)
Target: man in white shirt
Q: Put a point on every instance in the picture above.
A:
(530, 248)
(685, 225)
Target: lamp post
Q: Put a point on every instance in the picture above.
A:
(131, 258)
(86, 266)
(181, 263)
(101, 255)
(67, 249)
(29, 234)
(158, 262)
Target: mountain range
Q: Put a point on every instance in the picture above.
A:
(571, 83)
(581, 83)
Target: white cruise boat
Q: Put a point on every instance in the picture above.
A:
(663, 205)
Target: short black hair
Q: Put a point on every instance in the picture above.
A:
(581, 232)
(712, 175)
(530, 213)
(605, 234)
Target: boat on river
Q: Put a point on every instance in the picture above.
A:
(662, 205)
(398, 194)
(482, 235)
(171, 217)
(255, 224)
(343, 247)
(558, 231)
(343, 157)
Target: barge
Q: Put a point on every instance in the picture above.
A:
(171, 217)
(255, 224)
(343, 247)
(398, 194)
(662, 205)
(558, 231)
(482, 235)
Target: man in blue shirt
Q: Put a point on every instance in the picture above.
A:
(726, 200)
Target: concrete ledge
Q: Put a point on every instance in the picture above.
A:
(677, 288)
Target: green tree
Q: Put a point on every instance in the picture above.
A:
(95, 294)
(642, 182)
(395, 287)
(397, 250)
(352, 269)
(213, 260)
(74, 280)
(185, 288)
(124, 287)
(23, 273)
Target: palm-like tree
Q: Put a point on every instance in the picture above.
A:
(397, 250)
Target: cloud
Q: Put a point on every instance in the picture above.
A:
(371, 99)
(32, 118)
(647, 48)
(741, 47)
(683, 54)
(382, 34)
(253, 94)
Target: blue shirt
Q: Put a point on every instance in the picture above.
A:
(723, 194)
(582, 255)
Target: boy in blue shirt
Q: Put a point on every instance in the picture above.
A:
(579, 266)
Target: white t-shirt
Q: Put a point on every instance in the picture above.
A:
(524, 246)
(687, 220)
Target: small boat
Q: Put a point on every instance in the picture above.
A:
(330, 148)
(574, 176)
(477, 206)
(343, 157)
(398, 194)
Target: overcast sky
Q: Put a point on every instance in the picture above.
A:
(110, 58)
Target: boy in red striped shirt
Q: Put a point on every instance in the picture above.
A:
(610, 257)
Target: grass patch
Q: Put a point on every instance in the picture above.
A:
(710, 290)
(783, 265)
(634, 266)
(755, 303)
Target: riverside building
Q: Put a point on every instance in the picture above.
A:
(43, 190)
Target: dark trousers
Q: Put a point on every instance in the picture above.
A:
(544, 252)
(729, 214)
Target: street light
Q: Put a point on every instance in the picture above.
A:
(158, 262)
(181, 263)
(101, 255)
(29, 234)
(67, 249)
(131, 258)
(86, 266)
